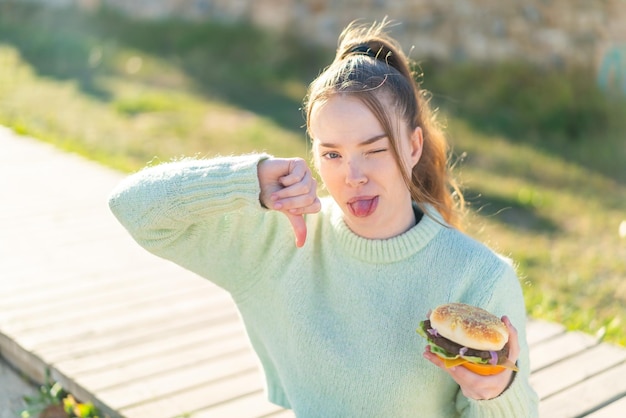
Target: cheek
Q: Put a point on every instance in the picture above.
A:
(333, 179)
(327, 174)
(391, 175)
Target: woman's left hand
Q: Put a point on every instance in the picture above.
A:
(474, 385)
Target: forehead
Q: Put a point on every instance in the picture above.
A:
(343, 118)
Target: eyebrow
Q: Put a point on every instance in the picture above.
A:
(366, 142)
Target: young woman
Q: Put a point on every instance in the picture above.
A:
(333, 318)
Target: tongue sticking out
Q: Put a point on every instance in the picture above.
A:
(363, 208)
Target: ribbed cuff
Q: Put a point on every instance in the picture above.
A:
(518, 401)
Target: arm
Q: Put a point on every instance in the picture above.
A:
(494, 286)
(511, 395)
(206, 215)
(179, 211)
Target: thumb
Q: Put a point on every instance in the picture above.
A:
(299, 228)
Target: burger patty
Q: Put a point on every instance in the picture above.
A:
(454, 348)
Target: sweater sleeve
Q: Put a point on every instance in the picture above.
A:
(519, 399)
(203, 214)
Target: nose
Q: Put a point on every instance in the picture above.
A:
(355, 174)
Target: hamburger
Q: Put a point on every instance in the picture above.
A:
(469, 336)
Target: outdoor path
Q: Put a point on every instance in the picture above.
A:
(143, 338)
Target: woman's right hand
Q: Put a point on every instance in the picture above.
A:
(287, 185)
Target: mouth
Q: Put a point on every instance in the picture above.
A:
(363, 206)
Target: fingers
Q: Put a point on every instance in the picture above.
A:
(297, 170)
(433, 358)
(437, 361)
(288, 186)
(299, 190)
(298, 195)
(514, 348)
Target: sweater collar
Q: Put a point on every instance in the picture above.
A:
(385, 250)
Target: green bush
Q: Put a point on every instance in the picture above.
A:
(524, 101)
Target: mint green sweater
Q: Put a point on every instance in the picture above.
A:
(333, 323)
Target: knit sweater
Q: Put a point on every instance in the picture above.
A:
(334, 322)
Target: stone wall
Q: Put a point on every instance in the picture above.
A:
(548, 32)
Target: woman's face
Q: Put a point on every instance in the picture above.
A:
(355, 160)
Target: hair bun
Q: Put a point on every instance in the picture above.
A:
(377, 50)
(362, 49)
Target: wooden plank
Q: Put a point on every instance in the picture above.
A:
(78, 225)
(34, 274)
(256, 403)
(179, 380)
(175, 342)
(69, 349)
(559, 348)
(165, 362)
(82, 333)
(97, 296)
(586, 396)
(198, 398)
(538, 331)
(139, 288)
(28, 273)
(576, 369)
(133, 295)
(122, 355)
(53, 271)
(36, 299)
(24, 361)
(285, 413)
(616, 409)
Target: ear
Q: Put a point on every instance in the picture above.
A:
(417, 145)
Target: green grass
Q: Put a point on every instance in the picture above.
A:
(126, 92)
(544, 168)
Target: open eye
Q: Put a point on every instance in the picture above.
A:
(331, 155)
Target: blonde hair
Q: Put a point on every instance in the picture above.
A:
(370, 65)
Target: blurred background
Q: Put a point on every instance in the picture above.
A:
(532, 94)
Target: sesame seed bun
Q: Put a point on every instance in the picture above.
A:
(470, 326)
